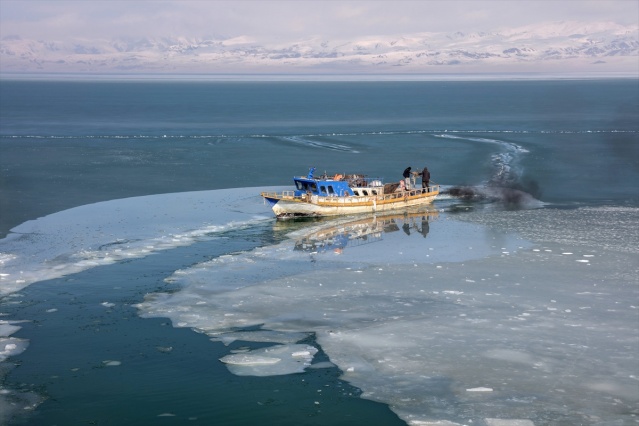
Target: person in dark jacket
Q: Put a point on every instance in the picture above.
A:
(426, 178)
(407, 177)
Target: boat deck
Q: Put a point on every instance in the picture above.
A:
(355, 200)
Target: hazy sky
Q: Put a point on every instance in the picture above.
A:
(291, 19)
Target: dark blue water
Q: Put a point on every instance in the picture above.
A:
(67, 144)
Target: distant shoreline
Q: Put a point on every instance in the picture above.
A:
(242, 77)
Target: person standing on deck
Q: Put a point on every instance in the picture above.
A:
(407, 177)
(426, 178)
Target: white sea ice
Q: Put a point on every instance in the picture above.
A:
(271, 361)
(479, 389)
(414, 316)
(97, 234)
(10, 346)
(431, 334)
(10, 400)
(508, 422)
(7, 328)
(251, 360)
(260, 336)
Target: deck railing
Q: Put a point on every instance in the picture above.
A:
(362, 199)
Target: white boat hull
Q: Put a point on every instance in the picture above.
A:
(288, 205)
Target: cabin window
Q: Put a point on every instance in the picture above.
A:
(306, 186)
(365, 192)
(330, 190)
(323, 189)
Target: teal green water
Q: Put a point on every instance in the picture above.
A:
(167, 375)
(67, 144)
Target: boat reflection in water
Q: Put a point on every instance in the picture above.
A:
(337, 235)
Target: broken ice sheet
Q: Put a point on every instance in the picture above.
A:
(271, 361)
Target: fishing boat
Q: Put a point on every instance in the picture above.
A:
(347, 194)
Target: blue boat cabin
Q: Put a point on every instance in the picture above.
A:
(334, 187)
(323, 188)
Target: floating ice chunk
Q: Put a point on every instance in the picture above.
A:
(479, 389)
(583, 260)
(508, 422)
(7, 328)
(247, 359)
(271, 361)
(11, 346)
(109, 363)
(107, 304)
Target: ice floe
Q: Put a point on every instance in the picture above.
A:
(418, 326)
(415, 321)
(271, 361)
(84, 237)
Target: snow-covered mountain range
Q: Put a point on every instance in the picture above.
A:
(559, 46)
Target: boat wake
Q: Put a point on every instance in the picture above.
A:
(505, 164)
(318, 144)
(505, 186)
(493, 196)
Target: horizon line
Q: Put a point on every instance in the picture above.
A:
(470, 76)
